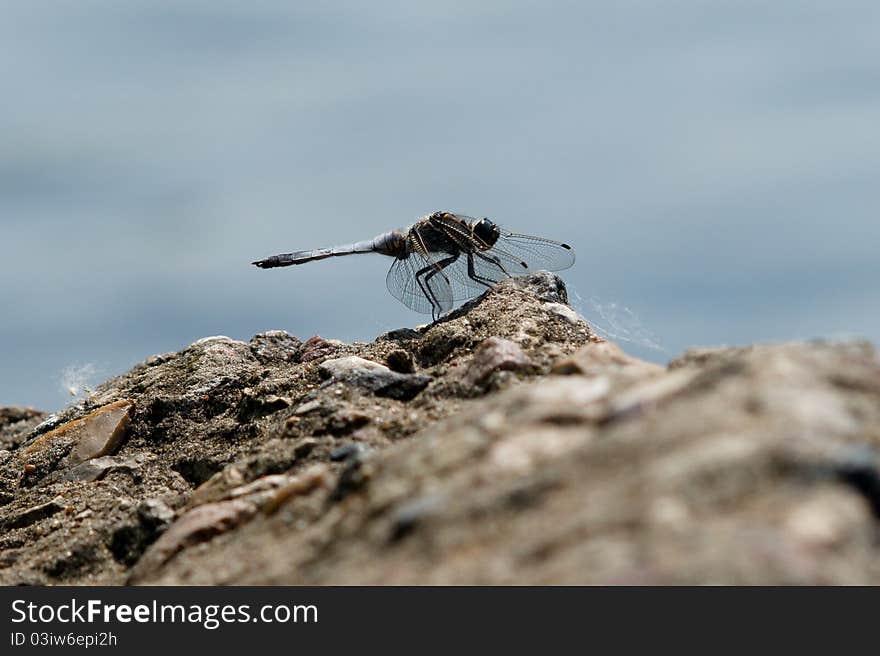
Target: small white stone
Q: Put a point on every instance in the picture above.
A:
(307, 407)
(564, 312)
(340, 367)
(213, 338)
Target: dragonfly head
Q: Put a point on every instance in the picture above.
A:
(487, 232)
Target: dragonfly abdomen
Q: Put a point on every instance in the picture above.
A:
(301, 257)
(391, 243)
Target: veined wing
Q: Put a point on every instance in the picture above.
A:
(517, 253)
(520, 254)
(452, 282)
(418, 282)
(467, 279)
(473, 273)
(430, 282)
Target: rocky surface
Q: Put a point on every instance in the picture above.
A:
(505, 444)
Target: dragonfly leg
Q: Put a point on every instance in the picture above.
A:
(431, 270)
(472, 273)
(493, 260)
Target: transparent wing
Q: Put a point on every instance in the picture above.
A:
(475, 269)
(518, 253)
(410, 281)
(515, 252)
(441, 270)
(521, 254)
(467, 280)
(512, 255)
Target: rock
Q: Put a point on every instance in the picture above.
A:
(526, 450)
(565, 312)
(344, 422)
(305, 446)
(858, 466)
(410, 514)
(401, 362)
(16, 424)
(544, 286)
(346, 451)
(155, 511)
(96, 468)
(32, 515)
(256, 403)
(12, 415)
(217, 486)
(711, 472)
(309, 406)
(49, 423)
(98, 433)
(129, 540)
(315, 348)
(372, 376)
(495, 354)
(257, 492)
(276, 346)
(399, 335)
(351, 367)
(604, 358)
(315, 478)
(197, 525)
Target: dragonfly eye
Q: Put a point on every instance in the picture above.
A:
(487, 232)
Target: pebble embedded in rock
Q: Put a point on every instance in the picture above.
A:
(307, 407)
(304, 447)
(33, 514)
(346, 451)
(197, 525)
(564, 312)
(400, 335)
(259, 404)
(410, 514)
(350, 367)
(401, 362)
(374, 377)
(131, 537)
(495, 354)
(314, 478)
(317, 347)
(97, 434)
(155, 511)
(96, 468)
(276, 346)
(216, 486)
(346, 421)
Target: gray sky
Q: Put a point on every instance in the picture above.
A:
(713, 163)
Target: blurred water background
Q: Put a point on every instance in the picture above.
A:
(714, 164)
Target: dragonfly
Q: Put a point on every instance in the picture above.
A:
(444, 258)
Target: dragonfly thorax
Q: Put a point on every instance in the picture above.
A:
(487, 232)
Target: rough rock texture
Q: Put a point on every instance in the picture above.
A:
(505, 444)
